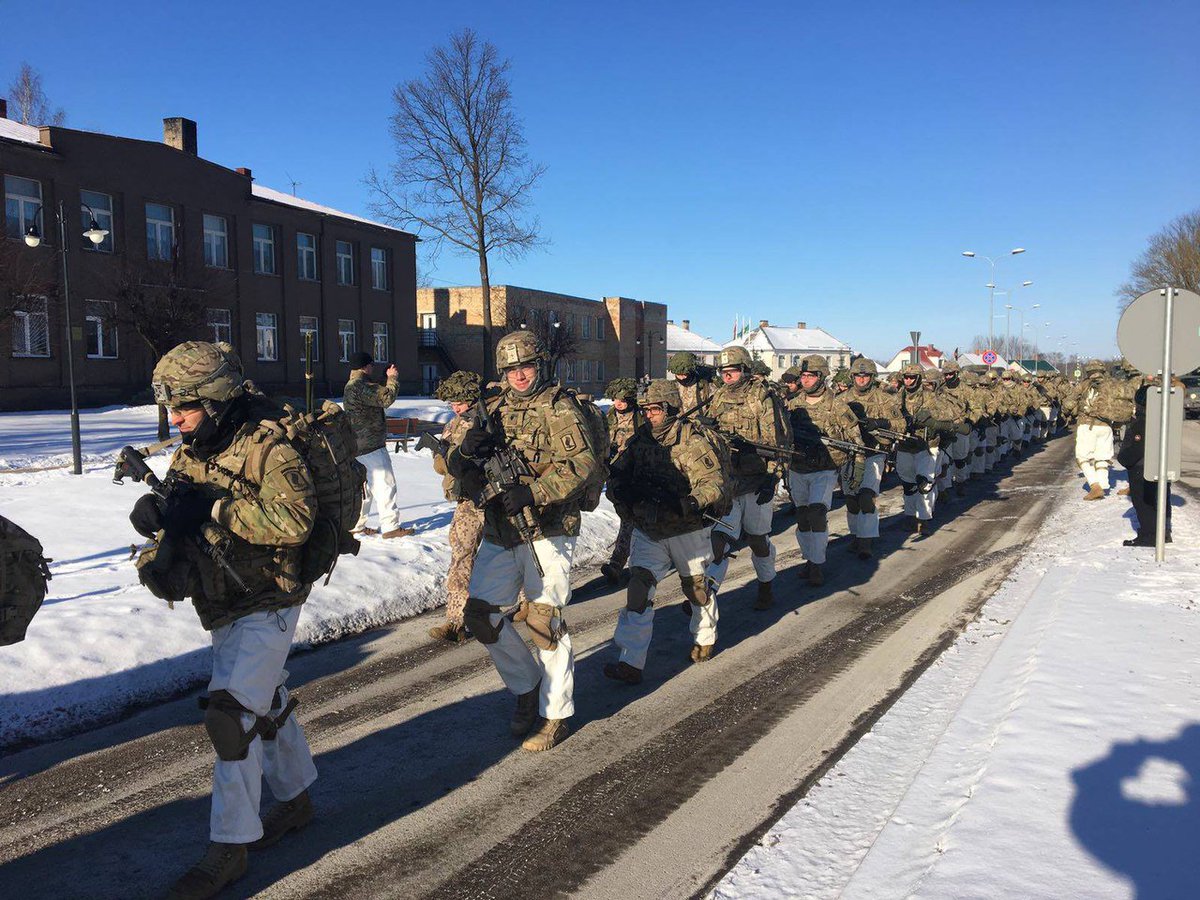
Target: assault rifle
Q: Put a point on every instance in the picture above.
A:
(883, 432)
(427, 441)
(657, 492)
(503, 470)
(212, 541)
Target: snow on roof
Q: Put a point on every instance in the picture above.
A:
(788, 339)
(263, 192)
(679, 339)
(15, 131)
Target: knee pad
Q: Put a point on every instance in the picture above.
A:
(223, 722)
(924, 485)
(866, 501)
(477, 620)
(909, 489)
(818, 517)
(695, 589)
(801, 520)
(853, 504)
(759, 544)
(545, 625)
(637, 596)
(979, 451)
(960, 463)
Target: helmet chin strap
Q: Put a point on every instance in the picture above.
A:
(816, 388)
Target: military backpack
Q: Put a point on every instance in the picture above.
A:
(600, 440)
(24, 572)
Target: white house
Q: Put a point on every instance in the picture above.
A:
(976, 359)
(681, 337)
(781, 348)
(929, 356)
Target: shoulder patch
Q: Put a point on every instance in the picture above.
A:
(567, 439)
(296, 479)
(708, 462)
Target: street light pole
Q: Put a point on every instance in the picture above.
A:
(970, 254)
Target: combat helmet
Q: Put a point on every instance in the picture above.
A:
(664, 391)
(519, 348)
(1094, 367)
(683, 363)
(460, 387)
(198, 372)
(912, 369)
(735, 356)
(863, 366)
(621, 389)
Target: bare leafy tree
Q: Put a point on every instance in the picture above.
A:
(560, 341)
(1172, 259)
(29, 100)
(1010, 348)
(24, 272)
(461, 170)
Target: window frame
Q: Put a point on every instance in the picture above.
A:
(348, 257)
(158, 225)
(315, 330)
(585, 327)
(380, 279)
(99, 322)
(270, 242)
(261, 328)
(25, 217)
(343, 333)
(223, 235)
(599, 328)
(375, 335)
(600, 370)
(105, 218)
(215, 325)
(22, 318)
(307, 253)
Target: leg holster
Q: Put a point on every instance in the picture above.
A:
(545, 624)
(637, 595)
(223, 722)
(695, 589)
(477, 620)
(866, 501)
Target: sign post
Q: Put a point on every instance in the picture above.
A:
(989, 358)
(915, 356)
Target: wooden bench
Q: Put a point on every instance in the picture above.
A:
(403, 430)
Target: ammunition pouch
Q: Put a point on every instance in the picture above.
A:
(637, 596)
(546, 626)
(477, 620)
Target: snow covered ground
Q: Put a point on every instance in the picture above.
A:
(101, 642)
(1052, 751)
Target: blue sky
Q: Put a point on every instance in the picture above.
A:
(781, 161)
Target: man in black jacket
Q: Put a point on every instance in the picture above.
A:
(1143, 493)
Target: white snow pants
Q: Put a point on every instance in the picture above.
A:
(959, 453)
(1041, 423)
(866, 524)
(380, 490)
(1093, 452)
(248, 658)
(1010, 431)
(751, 518)
(916, 471)
(977, 462)
(688, 554)
(991, 447)
(812, 489)
(498, 576)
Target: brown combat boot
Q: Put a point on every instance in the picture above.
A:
(919, 529)
(623, 671)
(1095, 492)
(700, 653)
(399, 532)
(366, 532)
(1123, 492)
(816, 577)
(291, 815)
(552, 733)
(449, 631)
(864, 548)
(526, 713)
(764, 599)
(222, 865)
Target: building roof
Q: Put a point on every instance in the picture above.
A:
(788, 340)
(1039, 365)
(15, 131)
(928, 356)
(976, 359)
(680, 339)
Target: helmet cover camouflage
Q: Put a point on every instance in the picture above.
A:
(949, 366)
(196, 371)
(460, 387)
(815, 363)
(621, 389)
(912, 369)
(734, 356)
(1094, 365)
(682, 363)
(518, 348)
(663, 391)
(864, 366)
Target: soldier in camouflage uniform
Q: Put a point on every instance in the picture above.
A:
(744, 410)
(1012, 403)
(695, 380)
(240, 479)
(367, 404)
(813, 473)
(1098, 405)
(668, 476)
(461, 391)
(989, 385)
(961, 446)
(927, 415)
(624, 418)
(547, 428)
(874, 409)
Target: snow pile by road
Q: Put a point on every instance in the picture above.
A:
(1052, 751)
(102, 643)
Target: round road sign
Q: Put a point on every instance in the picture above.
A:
(1140, 331)
(989, 357)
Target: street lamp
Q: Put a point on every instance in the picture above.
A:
(638, 342)
(96, 235)
(991, 285)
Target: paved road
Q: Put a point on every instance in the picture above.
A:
(423, 794)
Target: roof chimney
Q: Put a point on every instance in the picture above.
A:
(687, 324)
(180, 133)
(242, 170)
(763, 323)
(3, 108)
(802, 325)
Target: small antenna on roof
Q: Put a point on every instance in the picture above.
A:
(294, 182)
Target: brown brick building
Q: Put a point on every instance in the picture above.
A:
(274, 266)
(617, 336)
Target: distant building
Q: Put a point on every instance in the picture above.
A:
(681, 338)
(781, 348)
(928, 355)
(617, 336)
(1040, 366)
(275, 267)
(976, 359)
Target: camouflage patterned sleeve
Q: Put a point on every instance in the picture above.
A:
(572, 461)
(704, 474)
(381, 395)
(286, 506)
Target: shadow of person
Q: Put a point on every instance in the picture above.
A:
(1136, 811)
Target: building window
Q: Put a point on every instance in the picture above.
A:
(585, 323)
(379, 332)
(599, 370)
(160, 231)
(267, 339)
(570, 372)
(345, 262)
(22, 198)
(216, 242)
(347, 338)
(379, 268)
(93, 204)
(585, 371)
(100, 329)
(264, 249)
(782, 361)
(570, 323)
(221, 323)
(310, 325)
(796, 360)
(599, 328)
(306, 256)
(31, 327)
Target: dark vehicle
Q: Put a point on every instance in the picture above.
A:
(1191, 396)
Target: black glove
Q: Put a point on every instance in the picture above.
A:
(688, 505)
(146, 516)
(740, 444)
(922, 416)
(517, 498)
(185, 512)
(477, 442)
(707, 421)
(885, 424)
(766, 490)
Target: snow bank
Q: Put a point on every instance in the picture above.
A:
(102, 643)
(1052, 751)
